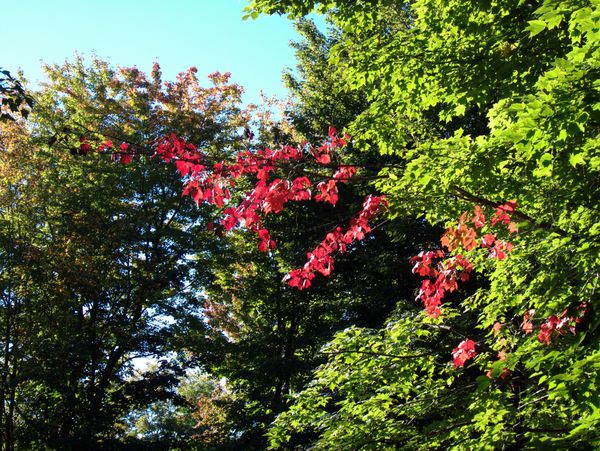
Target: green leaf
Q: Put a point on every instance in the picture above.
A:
(576, 158)
(483, 382)
(535, 27)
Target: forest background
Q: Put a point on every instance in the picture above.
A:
(422, 277)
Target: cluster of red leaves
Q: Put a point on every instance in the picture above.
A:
(555, 325)
(320, 259)
(443, 277)
(552, 327)
(124, 155)
(443, 273)
(465, 237)
(463, 352)
(270, 196)
(212, 184)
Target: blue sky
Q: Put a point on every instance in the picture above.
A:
(208, 34)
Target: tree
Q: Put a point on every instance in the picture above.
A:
(105, 248)
(486, 103)
(266, 337)
(172, 423)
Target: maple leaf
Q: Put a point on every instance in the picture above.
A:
(463, 352)
(126, 158)
(183, 167)
(422, 263)
(328, 192)
(105, 145)
(499, 250)
(488, 240)
(345, 173)
(478, 218)
(527, 325)
(332, 132)
(509, 206)
(462, 235)
(84, 148)
(468, 239)
(323, 158)
(450, 239)
(266, 242)
(545, 333)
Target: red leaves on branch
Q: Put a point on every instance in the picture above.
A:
(211, 184)
(84, 146)
(463, 352)
(479, 217)
(443, 273)
(422, 263)
(105, 146)
(555, 325)
(344, 173)
(527, 325)
(455, 238)
(503, 213)
(500, 249)
(328, 192)
(444, 276)
(488, 240)
(266, 242)
(320, 259)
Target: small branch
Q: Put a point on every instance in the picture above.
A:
(518, 214)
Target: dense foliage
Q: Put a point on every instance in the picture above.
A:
(97, 257)
(424, 279)
(485, 102)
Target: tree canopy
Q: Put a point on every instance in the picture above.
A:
(421, 276)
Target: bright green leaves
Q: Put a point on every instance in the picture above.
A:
(535, 27)
(371, 386)
(576, 158)
(483, 102)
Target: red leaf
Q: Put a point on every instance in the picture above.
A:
(478, 218)
(463, 352)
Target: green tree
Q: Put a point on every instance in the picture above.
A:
(172, 423)
(485, 102)
(105, 263)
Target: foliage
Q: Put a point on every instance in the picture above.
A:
(265, 338)
(485, 102)
(485, 112)
(13, 97)
(171, 423)
(104, 250)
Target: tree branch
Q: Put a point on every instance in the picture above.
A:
(518, 214)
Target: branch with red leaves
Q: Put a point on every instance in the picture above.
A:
(213, 183)
(516, 214)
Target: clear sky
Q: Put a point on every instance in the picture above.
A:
(208, 34)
